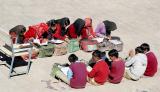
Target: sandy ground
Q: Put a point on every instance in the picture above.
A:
(138, 21)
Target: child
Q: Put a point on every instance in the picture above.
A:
(118, 67)
(87, 31)
(60, 29)
(18, 32)
(135, 64)
(35, 32)
(75, 29)
(104, 29)
(77, 73)
(100, 71)
(152, 63)
(52, 26)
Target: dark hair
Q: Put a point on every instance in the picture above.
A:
(79, 24)
(97, 53)
(19, 30)
(139, 49)
(103, 54)
(45, 35)
(109, 63)
(113, 52)
(67, 21)
(109, 26)
(72, 58)
(51, 23)
(145, 46)
(63, 22)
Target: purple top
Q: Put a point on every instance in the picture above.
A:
(117, 71)
(79, 78)
(100, 30)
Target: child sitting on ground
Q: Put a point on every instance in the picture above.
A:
(118, 67)
(135, 64)
(100, 71)
(152, 62)
(76, 75)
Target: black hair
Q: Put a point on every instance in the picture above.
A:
(97, 53)
(45, 35)
(109, 26)
(79, 24)
(67, 21)
(145, 47)
(51, 23)
(113, 52)
(103, 54)
(50, 32)
(139, 49)
(63, 23)
(109, 63)
(72, 58)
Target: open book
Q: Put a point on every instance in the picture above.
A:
(64, 69)
(115, 41)
(38, 42)
(56, 41)
(99, 40)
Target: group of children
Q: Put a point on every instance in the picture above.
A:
(62, 29)
(139, 62)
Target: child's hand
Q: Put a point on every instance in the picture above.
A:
(108, 37)
(31, 39)
(78, 38)
(131, 53)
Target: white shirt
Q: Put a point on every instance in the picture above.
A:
(137, 64)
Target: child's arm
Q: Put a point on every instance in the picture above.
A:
(69, 74)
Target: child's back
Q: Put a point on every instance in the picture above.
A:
(79, 75)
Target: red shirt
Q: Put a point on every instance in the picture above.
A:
(36, 31)
(57, 34)
(152, 64)
(100, 72)
(87, 33)
(71, 31)
(116, 71)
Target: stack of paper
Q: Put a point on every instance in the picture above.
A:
(115, 41)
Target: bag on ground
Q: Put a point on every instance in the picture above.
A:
(60, 49)
(73, 45)
(88, 45)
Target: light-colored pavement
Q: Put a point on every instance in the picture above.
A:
(138, 21)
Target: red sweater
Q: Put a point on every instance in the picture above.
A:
(84, 32)
(36, 31)
(116, 71)
(87, 33)
(79, 79)
(100, 72)
(57, 34)
(71, 31)
(152, 64)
